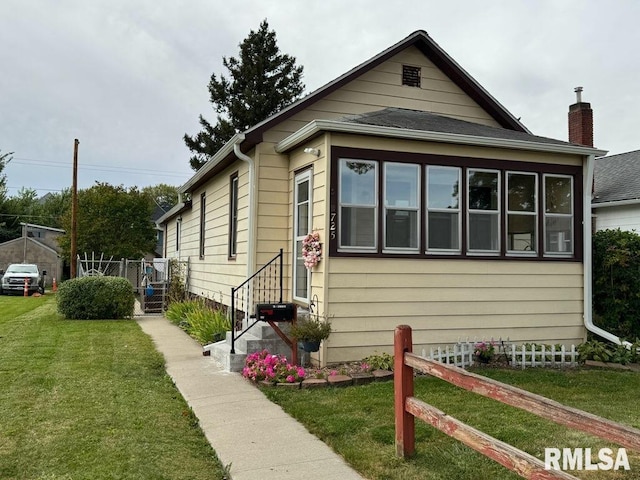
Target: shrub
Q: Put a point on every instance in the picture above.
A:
(203, 323)
(616, 282)
(380, 361)
(93, 298)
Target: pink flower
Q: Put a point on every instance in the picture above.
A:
(291, 379)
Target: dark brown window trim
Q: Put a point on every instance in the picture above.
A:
(465, 163)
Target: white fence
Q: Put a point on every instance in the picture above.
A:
(462, 355)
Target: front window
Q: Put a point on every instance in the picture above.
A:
(401, 206)
(420, 205)
(522, 212)
(443, 209)
(558, 214)
(483, 211)
(358, 204)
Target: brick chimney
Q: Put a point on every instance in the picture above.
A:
(581, 121)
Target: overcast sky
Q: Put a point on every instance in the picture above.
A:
(129, 77)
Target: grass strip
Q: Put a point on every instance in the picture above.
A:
(90, 399)
(358, 422)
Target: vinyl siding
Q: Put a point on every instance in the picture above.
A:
(624, 217)
(215, 274)
(447, 301)
(382, 87)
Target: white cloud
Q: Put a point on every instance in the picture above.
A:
(129, 78)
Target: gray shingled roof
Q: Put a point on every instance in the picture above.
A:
(617, 177)
(431, 122)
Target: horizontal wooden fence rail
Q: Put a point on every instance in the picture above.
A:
(407, 407)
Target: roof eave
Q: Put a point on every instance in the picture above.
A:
(219, 157)
(175, 210)
(431, 50)
(315, 127)
(616, 203)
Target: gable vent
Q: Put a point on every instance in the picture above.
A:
(411, 76)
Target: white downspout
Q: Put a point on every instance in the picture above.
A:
(588, 258)
(251, 241)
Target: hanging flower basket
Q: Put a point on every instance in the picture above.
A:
(311, 250)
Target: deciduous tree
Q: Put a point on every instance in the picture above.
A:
(113, 221)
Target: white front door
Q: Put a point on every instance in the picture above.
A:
(301, 227)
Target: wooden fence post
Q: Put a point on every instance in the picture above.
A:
(403, 388)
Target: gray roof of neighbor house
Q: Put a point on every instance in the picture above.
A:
(431, 122)
(617, 178)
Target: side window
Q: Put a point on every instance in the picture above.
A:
(483, 216)
(203, 207)
(443, 209)
(233, 215)
(358, 204)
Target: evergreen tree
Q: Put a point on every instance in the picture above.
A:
(262, 82)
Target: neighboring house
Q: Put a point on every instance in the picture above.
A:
(436, 208)
(616, 199)
(158, 212)
(38, 244)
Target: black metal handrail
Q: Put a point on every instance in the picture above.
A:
(259, 288)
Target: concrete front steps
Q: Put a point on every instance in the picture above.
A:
(259, 337)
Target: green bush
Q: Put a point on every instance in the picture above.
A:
(203, 323)
(616, 282)
(178, 312)
(93, 298)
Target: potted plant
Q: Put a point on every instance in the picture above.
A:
(309, 332)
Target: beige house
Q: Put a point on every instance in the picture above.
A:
(435, 207)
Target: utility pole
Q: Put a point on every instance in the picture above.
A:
(74, 212)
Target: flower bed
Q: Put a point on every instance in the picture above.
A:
(266, 369)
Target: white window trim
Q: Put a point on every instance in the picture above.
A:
(374, 207)
(445, 251)
(569, 253)
(497, 212)
(301, 177)
(400, 250)
(517, 253)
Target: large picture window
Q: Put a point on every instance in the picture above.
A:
(358, 204)
(391, 203)
(401, 206)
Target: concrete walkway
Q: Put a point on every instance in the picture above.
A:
(255, 436)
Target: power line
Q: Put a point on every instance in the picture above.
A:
(104, 168)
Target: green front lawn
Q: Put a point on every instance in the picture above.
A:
(358, 422)
(90, 400)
